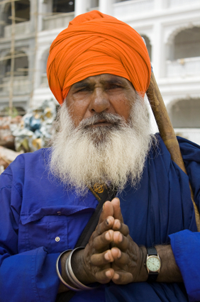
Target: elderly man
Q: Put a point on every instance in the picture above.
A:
(99, 70)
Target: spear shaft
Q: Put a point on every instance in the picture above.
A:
(167, 132)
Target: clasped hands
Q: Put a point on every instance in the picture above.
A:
(111, 254)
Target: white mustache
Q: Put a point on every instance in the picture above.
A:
(102, 117)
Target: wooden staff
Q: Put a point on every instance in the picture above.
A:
(167, 132)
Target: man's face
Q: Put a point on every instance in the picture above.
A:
(104, 134)
(103, 93)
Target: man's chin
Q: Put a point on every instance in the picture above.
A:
(100, 133)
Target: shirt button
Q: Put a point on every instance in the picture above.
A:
(57, 239)
(59, 212)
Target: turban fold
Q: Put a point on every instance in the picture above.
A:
(93, 44)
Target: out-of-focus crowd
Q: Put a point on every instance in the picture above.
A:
(26, 134)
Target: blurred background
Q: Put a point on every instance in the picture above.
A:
(171, 29)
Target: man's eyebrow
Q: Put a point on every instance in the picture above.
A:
(81, 84)
(118, 80)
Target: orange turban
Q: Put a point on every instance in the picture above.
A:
(93, 44)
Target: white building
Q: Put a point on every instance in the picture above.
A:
(171, 29)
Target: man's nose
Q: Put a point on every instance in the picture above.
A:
(99, 101)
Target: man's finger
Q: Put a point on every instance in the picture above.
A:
(104, 276)
(107, 210)
(121, 277)
(120, 241)
(102, 258)
(117, 210)
(103, 226)
(121, 259)
(101, 241)
(119, 226)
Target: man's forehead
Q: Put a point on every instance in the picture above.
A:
(102, 78)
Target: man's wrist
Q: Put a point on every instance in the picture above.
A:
(62, 287)
(80, 268)
(73, 275)
(143, 254)
(169, 271)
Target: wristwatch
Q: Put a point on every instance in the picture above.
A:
(153, 264)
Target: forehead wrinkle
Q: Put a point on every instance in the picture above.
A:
(112, 81)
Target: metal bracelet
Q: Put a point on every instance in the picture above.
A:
(59, 275)
(71, 274)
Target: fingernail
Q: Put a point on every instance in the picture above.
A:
(119, 255)
(107, 236)
(120, 237)
(108, 274)
(118, 224)
(106, 256)
(108, 220)
(116, 276)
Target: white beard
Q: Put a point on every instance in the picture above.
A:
(113, 155)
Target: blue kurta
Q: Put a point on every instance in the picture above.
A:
(39, 218)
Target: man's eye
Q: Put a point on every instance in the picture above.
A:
(83, 89)
(114, 86)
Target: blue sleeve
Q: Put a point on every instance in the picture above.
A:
(29, 275)
(191, 157)
(186, 246)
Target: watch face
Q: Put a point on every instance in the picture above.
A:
(153, 263)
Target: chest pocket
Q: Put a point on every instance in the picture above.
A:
(52, 228)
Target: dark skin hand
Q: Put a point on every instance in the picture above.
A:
(112, 255)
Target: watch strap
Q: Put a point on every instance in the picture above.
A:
(151, 251)
(152, 276)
